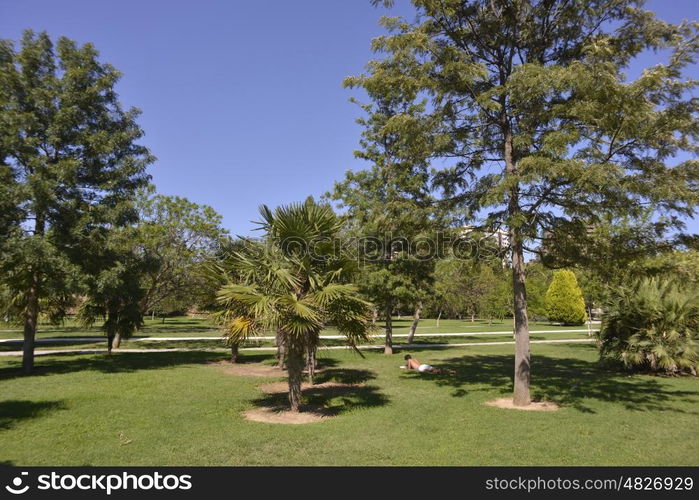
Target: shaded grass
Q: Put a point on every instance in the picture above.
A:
(180, 409)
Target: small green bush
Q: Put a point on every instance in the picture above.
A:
(564, 299)
(652, 325)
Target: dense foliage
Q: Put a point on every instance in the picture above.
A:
(652, 325)
(71, 164)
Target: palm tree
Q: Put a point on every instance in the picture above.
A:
(294, 282)
(652, 325)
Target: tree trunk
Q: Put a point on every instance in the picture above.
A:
(473, 317)
(522, 366)
(388, 347)
(30, 322)
(110, 342)
(294, 355)
(281, 350)
(374, 316)
(439, 316)
(116, 343)
(234, 353)
(521, 396)
(416, 320)
(31, 316)
(311, 363)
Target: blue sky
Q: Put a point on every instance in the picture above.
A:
(242, 101)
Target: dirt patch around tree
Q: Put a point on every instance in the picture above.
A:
(281, 387)
(279, 416)
(254, 369)
(250, 369)
(533, 406)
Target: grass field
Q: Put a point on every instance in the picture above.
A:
(178, 409)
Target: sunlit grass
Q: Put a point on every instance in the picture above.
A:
(176, 409)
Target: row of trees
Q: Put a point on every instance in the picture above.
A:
(80, 225)
(514, 117)
(470, 289)
(526, 107)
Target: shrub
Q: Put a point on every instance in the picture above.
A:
(564, 299)
(652, 325)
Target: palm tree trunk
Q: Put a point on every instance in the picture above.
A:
(388, 347)
(294, 355)
(416, 320)
(311, 362)
(234, 353)
(281, 350)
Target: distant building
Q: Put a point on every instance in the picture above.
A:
(499, 236)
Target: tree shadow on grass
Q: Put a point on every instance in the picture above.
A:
(270, 359)
(344, 376)
(566, 381)
(484, 339)
(14, 410)
(150, 331)
(350, 393)
(116, 363)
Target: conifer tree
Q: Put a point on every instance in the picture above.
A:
(564, 299)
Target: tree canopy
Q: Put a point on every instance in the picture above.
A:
(545, 133)
(71, 156)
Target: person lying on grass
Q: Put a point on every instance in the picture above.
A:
(414, 364)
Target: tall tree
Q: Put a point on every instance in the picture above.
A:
(545, 129)
(390, 206)
(71, 151)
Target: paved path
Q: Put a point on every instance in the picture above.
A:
(44, 352)
(56, 340)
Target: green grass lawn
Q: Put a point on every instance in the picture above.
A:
(176, 409)
(172, 327)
